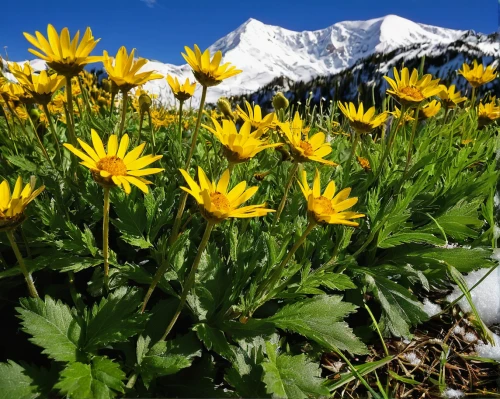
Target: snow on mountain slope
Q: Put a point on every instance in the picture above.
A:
(265, 52)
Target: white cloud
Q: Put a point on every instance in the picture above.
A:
(150, 3)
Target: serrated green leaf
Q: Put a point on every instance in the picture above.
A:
(168, 357)
(410, 237)
(22, 163)
(114, 319)
(100, 380)
(319, 318)
(15, 383)
(401, 308)
(292, 377)
(53, 326)
(214, 339)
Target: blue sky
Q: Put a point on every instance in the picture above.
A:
(160, 28)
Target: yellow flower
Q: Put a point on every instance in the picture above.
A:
(306, 148)
(115, 167)
(429, 110)
(328, 208)
(41, 86)
(364, 163)
(408, 116)
(65, 56)
(224, 106)
(217, 203)
(254, 116)
(487, 113)
(239, 146)
(12, 205)
(478, 75)
(208, 72)
(450, 98)
(124, 70)
(181, 92)
(410, 90)
(21, 113)
(362, 122)
(10, 91)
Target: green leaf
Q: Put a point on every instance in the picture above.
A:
(22, 163)
(114, 319)
(100, 380)
(408, 238)
(361, 369)
(319, 318)
(293, 377)
(167, 357)
(132, 220)
(396, 376)
(401, 308)
(214, 339)
(15, 383)
(53, 326)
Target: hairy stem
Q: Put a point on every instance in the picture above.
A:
(105, 236)
(27, 275)
(293, 172)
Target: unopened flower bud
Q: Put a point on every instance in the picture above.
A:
(225, 107)
(280, 101)
(144, 103)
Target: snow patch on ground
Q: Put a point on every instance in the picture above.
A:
(486, 296)
(431, 308)
(450, 393)
(489, 351)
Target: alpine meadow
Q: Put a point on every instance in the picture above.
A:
(308, 240)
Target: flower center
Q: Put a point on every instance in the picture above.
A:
(113, 165)
(413, 93)
(220, 201)
(307, 147)
(323, 206)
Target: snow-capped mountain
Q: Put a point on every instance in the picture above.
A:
(266, 52)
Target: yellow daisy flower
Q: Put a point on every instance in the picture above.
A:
(487, 113)
(410, 90)
(408, 116)
(239, 146)
(10, 91)
(328, 208)
(429, 110)
(65, 56)
(217, 203)
(116, 167)
(12, 205)
(450, 98)
(306, 148)
(181, 92)
(478, 75)
(124, 70)
(41, 86)
(364, 163)
(360, 121)
(224, 106)
(208, 72)
(254, 116)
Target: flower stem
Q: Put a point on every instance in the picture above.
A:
(276, 275)
(392, 136)
(348, 166)
(180, 121)
(377, 328)
(182, 204)
(293, 172)
(53, 130)
(105, 236)
(71, 120)
(412, 138)
(85, 95)
(27, 275)
(189, 283)
(141, 120)
(124, 112)
(151, 127)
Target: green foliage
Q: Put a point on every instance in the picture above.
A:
(102, 379)
(15, 383)
(318, 318)
(114, 319)
(288, 376)
(54, 327)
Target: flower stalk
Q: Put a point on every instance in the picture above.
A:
(27, 275)
(71, 120)
(124, 112)
(412, 138)
(348, 166)
(53, 131)
(293, 172)
(190, 280)
(105, 236)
